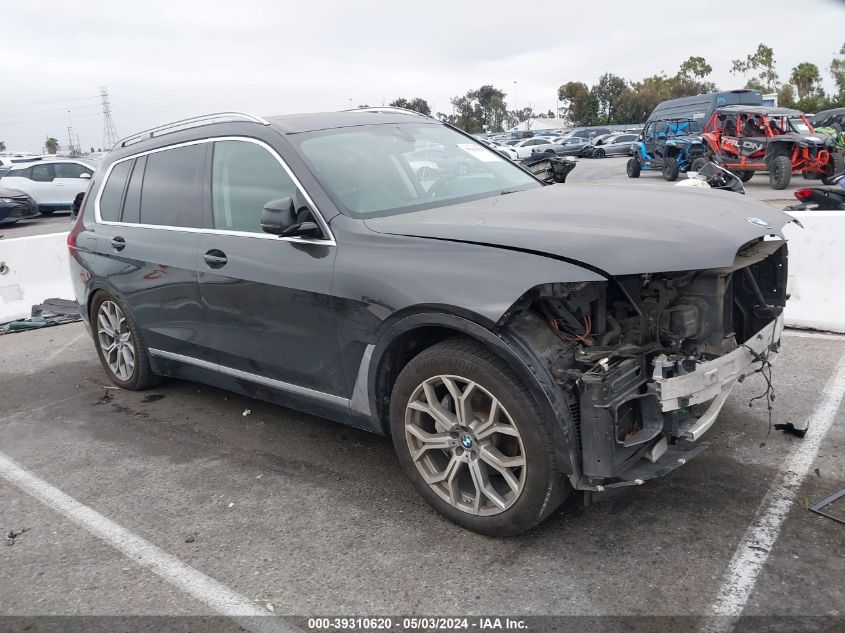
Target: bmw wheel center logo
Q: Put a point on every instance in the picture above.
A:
(466, 441)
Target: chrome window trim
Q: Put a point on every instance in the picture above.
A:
(330, 241)
(245, 375)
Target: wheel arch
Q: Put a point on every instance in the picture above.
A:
(409, 335)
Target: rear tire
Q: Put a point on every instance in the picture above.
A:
(119, 344)
(633, 168)
(495, 482)
(671, 169)
(780, 172)
(834, 168)
(598, 153)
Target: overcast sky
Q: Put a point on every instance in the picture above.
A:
(165, 60)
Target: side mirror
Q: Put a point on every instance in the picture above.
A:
(278, 216)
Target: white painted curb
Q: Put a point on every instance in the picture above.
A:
(32, 269)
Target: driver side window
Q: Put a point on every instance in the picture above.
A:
(245, 177)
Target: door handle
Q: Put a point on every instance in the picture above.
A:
(118, 243)
(215, 258)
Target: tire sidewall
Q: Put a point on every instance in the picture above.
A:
(671, 169)
(632, 168)
(780, 172)
(532, 501)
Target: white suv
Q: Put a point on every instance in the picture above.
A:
(53, 184)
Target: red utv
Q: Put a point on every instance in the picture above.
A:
(746, 139)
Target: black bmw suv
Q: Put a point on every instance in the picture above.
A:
(517, 341)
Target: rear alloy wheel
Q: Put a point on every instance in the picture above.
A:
(119, 345)
(633, 168)
(671, 169)
(473, 441)
(780, 172)
(834, 168)
(598, 153)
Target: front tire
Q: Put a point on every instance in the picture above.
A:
(473, 440)
(671, 169)
(119, 344)
(780, 172)
(698, 163)
(633, 168)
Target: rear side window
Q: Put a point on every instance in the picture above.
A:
(20, 173)
(112, 194)
(42, 173)
(171, 195)
(245, 177)
(71, 170)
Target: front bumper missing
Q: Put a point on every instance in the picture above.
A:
(714, 380)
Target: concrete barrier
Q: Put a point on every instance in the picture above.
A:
(816, 279)
(32, 269)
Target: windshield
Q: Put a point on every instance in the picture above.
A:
(798, 125)
(377, 170)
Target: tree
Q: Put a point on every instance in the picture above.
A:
(574, 95)
(416, 104)
(804, 76)
(51, 145)
(786, 96)
(837, 70)
(480, 110)
(695, 68)
(762, 61)
(607, 91)
(689, 79)
(2, 146)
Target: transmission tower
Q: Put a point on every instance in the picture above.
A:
(110, 137)
(72, 150)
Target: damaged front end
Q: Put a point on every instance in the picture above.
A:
(642, 364)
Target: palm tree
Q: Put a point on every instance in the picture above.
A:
(2, 146)
(51, 145)
(804, 76)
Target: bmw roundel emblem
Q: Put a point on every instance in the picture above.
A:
(466, 440)
(758, 222)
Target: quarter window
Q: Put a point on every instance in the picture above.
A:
(171, 192)
(112, 194)
(245, 177)
(132, 205)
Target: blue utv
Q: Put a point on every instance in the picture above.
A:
(669, 145)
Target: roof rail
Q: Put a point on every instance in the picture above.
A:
(185, 124)
(388, 109)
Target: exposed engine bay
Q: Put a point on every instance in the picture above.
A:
(645, 362)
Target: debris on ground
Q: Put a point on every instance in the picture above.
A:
(51, 312)
(107, 397)
(11, 535)
(790, 428)
(270, 607)
(190, 538)
(246, 412)
(822, 505)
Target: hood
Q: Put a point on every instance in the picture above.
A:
(618, 229)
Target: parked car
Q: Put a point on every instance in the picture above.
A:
(574, 146)
(535, 145)
(52, 184)
(748, 139)
(515, 340)
(614, 145)
(16, 205)
(504, 150)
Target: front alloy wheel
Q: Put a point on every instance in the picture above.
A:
(465, 445)
(115, 340)
(473, 440)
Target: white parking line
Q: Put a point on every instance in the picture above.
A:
(184, 577)
(756, 544)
